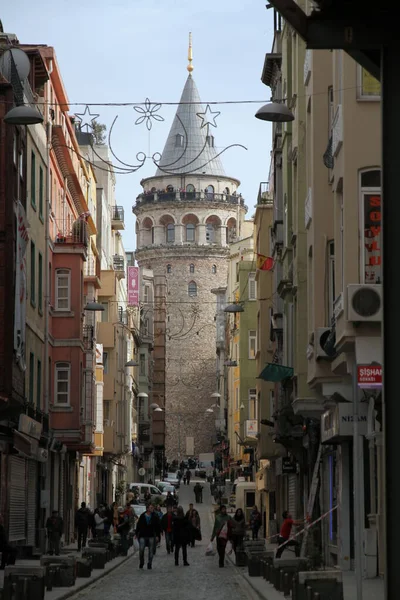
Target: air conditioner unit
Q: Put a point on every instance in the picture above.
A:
(324, 343)
(364, 302)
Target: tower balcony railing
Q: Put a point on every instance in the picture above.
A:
(185, 196)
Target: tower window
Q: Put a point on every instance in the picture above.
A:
(191, 268)
(179, 140)
(210, 233)
(170, 232)
(214, 269)
(169, 269)
(190, 232)
(192, 289)
(210, 140)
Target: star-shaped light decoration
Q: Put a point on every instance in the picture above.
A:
(86, 120)
(147, 113)
(208, 116)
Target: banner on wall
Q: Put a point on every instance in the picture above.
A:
(133, 286)
(20, 287)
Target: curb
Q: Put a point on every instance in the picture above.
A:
(91, 580)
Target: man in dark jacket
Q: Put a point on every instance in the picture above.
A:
(181, 532)
(166, 526)
(55, 529)
(82, 519)
(148, 530)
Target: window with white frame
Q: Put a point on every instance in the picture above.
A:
(331, 280)
(371, 250)
(368, 88)
(253, 404)
(252, 343)
(62, 380)
(252, 286)
(63, 289)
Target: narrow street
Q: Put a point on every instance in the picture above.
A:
(202, 580)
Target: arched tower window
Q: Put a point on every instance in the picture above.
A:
(231, 231)
(170, 233)
(210, 233)
(191, 268)
(190, 232)
(169, 269)
(213, 233)
(190, 187)
(214, 269)
(210, 192)
(192, 289)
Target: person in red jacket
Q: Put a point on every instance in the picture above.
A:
(284, 535)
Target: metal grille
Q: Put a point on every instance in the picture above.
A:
(17, 499)
(31, 503)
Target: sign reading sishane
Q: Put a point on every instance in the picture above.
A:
(369, 376)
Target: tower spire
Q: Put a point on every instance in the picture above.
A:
(190, 54)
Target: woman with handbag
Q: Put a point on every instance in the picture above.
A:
(223, 532)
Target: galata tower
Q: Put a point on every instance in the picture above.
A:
(186, 216)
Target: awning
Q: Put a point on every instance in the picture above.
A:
(274, 372)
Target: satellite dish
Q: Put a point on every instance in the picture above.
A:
(142, 471)
(21, 61)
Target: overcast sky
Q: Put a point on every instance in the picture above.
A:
(128, 50)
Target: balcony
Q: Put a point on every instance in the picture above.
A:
(119, 265)
(264, 197)
(72, 241)
(178, 196)
(337, 130)
(117, 218)
(91, 271)
(106, 334)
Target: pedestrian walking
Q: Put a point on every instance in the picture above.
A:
(222, 532)
(284, 535)
(82, 520)
(55, 529)
(238, 529)
(166, 527)
(181, 533)
(255, 522)
(188, 476)
(169, 500)
(195, 530)
(147, 530)
(123, 528)
(198, 492)
(8, 553)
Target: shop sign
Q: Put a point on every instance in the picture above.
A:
(288, 466)
(369, 376)
(29, 427)
(372, 238)
(251, 428)
(337, 424)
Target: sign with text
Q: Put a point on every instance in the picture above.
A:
(369, 376)
(133, 286)
(251, 428)
(288, 466)
(372, 238)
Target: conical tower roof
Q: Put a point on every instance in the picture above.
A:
(192, 153)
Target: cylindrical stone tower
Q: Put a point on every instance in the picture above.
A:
(187, 215)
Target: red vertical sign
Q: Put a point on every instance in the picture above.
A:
(133, 286)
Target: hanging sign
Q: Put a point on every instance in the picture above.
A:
(369, 376)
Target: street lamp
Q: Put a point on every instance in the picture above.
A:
(230, 363)
(275, 112)
(131, 363)
(94, 306)
(234, 308)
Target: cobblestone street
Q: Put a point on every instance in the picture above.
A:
(202, 580)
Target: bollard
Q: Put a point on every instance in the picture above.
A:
(317, 596)
(286, 584)
(310, 595)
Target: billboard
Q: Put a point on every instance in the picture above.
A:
(133, 286)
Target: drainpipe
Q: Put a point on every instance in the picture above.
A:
(65, 232)
(47, 281)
